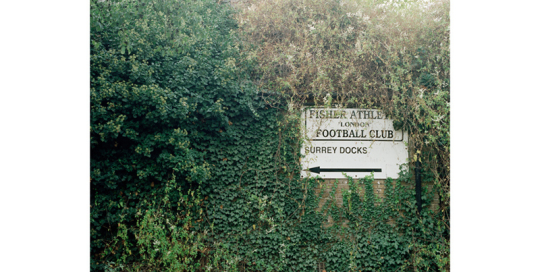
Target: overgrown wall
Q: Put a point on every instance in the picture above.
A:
(195, 154)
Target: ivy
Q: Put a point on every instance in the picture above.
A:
(195, 138)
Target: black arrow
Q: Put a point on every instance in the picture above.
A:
(318, 169)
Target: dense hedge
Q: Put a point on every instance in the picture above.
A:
(167, 92)
(196, 167)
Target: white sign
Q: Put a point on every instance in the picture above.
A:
(356, 142)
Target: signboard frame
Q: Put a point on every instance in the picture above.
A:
(351, 144)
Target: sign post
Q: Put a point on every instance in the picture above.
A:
(356, 142)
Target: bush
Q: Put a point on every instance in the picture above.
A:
(163, 73)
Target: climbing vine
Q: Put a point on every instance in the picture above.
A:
(388, 55)
(195, 134)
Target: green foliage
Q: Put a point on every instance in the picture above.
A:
(389, 55)
(196, 168)
(383, 234)
(166, 79)
(361, 53)
(163, 239)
